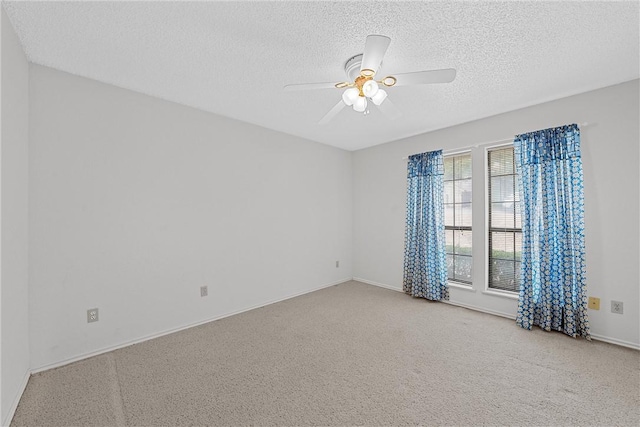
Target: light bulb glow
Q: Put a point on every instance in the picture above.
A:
(370, 88)
(379, 97)
(360, 104)
(350, 95)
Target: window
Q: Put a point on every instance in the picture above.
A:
(505, 228)
(457, 216)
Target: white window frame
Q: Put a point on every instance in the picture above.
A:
(455, 283)
(487, 226)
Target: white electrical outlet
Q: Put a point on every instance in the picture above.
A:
(92, 315)
(204, 291)
(617, 307)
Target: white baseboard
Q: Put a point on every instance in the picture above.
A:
(471, 307)
(16, 399)
(173, 330)
(180, 328)
(481, 309)
(616, 341)
(381, 285)
(596, 337)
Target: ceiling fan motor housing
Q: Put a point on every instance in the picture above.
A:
(352, 67)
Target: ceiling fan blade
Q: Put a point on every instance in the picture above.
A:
(389, 109)
(309, 86)
(332, 113)
(425, 77)
(374, 50)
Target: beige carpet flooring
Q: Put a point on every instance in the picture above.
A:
(352, 354)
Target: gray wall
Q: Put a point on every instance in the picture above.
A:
(136, 202)
(610, 158)
(14, 138)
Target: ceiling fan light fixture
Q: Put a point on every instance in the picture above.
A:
(360, 87)
(370, 88)
(350, 96)
(379, 97)
(389, 81)
(360, 104)
(367, 72)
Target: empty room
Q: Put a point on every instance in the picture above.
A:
(295, 213)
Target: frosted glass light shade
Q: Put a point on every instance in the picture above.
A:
(380, 96)
(350, 95)
(360, 104)
(370, 88)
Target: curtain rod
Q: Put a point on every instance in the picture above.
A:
(453, 150)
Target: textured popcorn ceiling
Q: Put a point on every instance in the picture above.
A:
(233, 58)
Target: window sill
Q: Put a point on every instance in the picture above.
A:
(462, 286)
(505, 294)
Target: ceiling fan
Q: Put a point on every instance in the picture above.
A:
(362, 88)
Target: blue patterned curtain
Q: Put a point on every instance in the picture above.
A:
(425, 264)
(552, 285)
